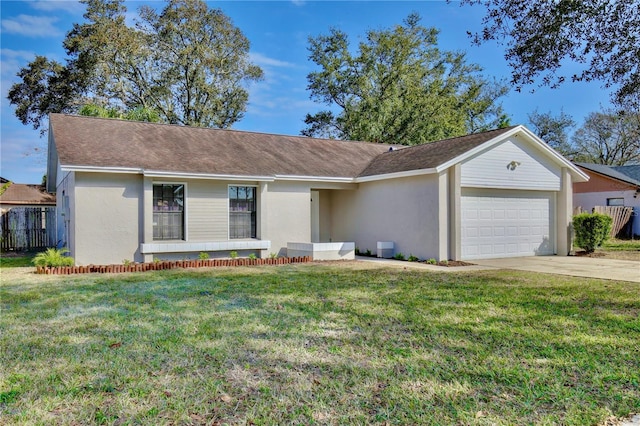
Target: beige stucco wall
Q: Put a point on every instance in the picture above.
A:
(403, 210)
(286, 214)
(107, 218)
(325, 216)
(111, 218)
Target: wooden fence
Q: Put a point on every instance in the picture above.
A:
(28, 228)
(621, 216)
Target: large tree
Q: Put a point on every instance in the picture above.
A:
(135, 114)
(398, 88)
(554, 130)
(609, 137)
(187, 62)
(600, 37)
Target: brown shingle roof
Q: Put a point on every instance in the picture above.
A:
(18, 193)
(429, 155)
(97, 142)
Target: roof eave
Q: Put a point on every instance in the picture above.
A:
(96, 169)
(27, 203)
(330, 179)
(395, 175)
(210, 176)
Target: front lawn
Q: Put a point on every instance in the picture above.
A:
(16, 260)
(317, 344)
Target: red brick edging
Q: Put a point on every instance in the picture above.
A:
(166, 264)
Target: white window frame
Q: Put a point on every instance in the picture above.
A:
(255, 191)
(185, 220)
(617, 199)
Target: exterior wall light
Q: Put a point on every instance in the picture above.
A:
(512, 165)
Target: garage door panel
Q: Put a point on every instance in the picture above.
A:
(504, 223)
(485, 231)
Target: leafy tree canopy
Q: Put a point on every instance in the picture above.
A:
(398, 88)
(608, 137)
(601, 37)
(135, 114)
(187, 62)
(554, 130)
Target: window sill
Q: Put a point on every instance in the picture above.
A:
(183, 246)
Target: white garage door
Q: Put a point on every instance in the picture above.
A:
(504, 223)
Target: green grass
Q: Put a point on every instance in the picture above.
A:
(317, 344)
(621, 245)
(14, 261)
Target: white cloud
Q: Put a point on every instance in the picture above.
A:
(12, 62)
(20, 143)
(71, 7)
(31, 26)
(16, 54)
(265, 61)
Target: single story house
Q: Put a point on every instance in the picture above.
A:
(609, 186)
(139, 191)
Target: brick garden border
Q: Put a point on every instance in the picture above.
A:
(167, 264)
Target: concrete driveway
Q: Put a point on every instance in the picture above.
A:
(577, 266)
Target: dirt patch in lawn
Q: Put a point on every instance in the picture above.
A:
(610, 254)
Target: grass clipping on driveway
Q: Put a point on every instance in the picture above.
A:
(317, 344)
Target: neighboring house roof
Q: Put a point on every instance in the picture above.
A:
(632, 171)
(26, 194)
(3, 180)
(612, 172)
(98, 144)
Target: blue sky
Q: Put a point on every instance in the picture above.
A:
(278, 31)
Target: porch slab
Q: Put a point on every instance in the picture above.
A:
(323, 251)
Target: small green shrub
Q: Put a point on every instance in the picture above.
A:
(203, 255)
(368, 252)
(591, 230)
(253, 256)
(412, 258)
(357, 251)
(444, 262)
(156, 260)
(432, 261)
(273, 255)
(126, 262)
(233, 254)
(53, 257)
(399, 256)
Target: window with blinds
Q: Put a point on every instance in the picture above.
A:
(242, 212)
(168, 212)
